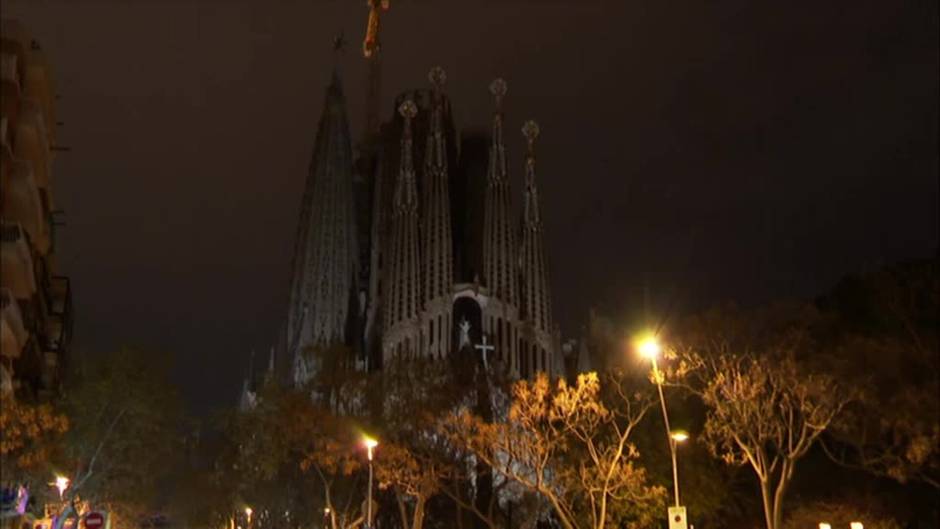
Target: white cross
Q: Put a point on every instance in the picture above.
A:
(484, 348)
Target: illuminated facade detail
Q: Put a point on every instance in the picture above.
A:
(442, 267)
(36, 302)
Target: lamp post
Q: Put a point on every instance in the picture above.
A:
(650, 349)
(370, 446)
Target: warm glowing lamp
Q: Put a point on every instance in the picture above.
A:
(649, 348)
(248, 512)
(679, 435)
(824, 525)
(856, 525)
(370, 445)
(61, 483)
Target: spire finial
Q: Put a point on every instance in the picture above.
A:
(408, 109)
(438, 77)
(531, 131)
(404, 191)
(498, 88)
(339, 42)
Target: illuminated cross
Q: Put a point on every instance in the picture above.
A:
(483, 349)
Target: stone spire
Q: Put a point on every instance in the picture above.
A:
(438, 256)
(404, 280)
(438, 236)
(536, 301)
(325, 251)
(499, 246)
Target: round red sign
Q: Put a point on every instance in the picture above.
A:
(94, 520)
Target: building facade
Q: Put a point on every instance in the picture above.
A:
(35, 299)
(412, 249)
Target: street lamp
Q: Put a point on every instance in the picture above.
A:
(650, 349)
(61, 483)
(856, 525)
(370, 446)
(248, 512)
(824, 525)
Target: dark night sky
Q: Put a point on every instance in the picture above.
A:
(713, 149)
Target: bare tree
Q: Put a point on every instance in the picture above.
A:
(764, 408)
(565, 444)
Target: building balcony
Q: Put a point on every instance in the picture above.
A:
(59, 319)
(39, 87)
(32, 141)
(13, 333)
(9, 69)
(19, 275)
(22, 203)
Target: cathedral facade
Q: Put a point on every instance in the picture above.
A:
(410, 247)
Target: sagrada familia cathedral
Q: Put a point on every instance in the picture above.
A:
(408, 246)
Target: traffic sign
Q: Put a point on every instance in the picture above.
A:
(94, 520)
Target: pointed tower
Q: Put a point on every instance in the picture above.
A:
(539, 352)
(499, 245)
(325, 253)
(403, 299)
(498, 234)
(437, 237)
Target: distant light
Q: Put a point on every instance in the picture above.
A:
(248, 512)
(370, 443)
(824, 526)
(681, 435)
(61, 483)
(649, 348)
(856, 525)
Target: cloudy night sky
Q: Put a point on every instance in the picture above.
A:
(718, 150)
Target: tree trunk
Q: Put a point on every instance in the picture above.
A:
(402, 509)
(767, 501)
(786, 472)
(418, 522)
(484, 474)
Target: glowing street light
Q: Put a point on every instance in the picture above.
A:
(248, 513)
(370, 446)
(823, 525)
(679, 436)
(856, 525)
(61, 483)
(649, 348)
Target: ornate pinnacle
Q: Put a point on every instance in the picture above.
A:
(339, 42)
(408, 109)
(438, 77)
(498, 88)
(531, 131)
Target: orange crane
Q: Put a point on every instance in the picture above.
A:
(371, 43)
